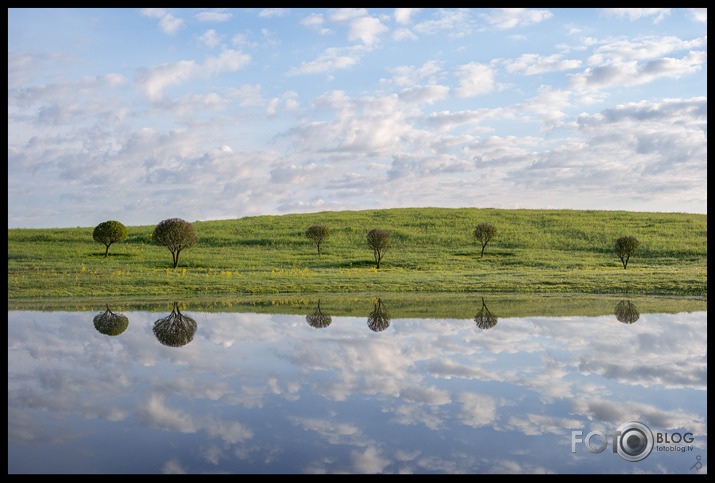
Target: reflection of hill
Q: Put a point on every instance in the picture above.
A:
(402, 305)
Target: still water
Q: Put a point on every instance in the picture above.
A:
(200, 392)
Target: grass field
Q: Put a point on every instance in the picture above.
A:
(433, 250)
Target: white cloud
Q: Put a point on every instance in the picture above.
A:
(474, 79)
(531, 64)
(331, 59)
(403, 15)
(507, 18)
(214, 16)
(210, 38)
(632, 73)
(167, 22)
(637, 13)
(367, 29)
(155, 79)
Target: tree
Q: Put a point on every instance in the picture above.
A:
(176, 235)
(318, 233)
(109, 232)
(483, 233)
(379, 241)
(626, 247)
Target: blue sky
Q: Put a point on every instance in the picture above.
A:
(139, 115)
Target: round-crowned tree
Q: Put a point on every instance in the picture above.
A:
(625, 248)
(379, 241)
(483, 233)
(318, 233)
(176, 235)
(109, 232)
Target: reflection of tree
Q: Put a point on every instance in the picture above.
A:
(379, 319)
(626, 312)
(176, 329)
(109, 323)
(484, 318)
(318, 319)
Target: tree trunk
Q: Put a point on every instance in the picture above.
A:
(106, 252)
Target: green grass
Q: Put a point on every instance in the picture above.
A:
(433, 250)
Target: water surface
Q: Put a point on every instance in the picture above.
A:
(241, 392)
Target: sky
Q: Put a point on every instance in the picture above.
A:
(138, 115)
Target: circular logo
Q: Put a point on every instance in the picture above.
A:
(634, 441)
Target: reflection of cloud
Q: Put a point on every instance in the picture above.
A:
(614, 412)
(334, 433)
(477, 410)
(537, 424)
(155, 413)
(368, 461)
(173, 467)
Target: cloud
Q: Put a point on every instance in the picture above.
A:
(214, 16)
(507, 18)
(367, 29)
(167, 22)
(642, 49)
(403, 15)
(210, 38)
(633, 73)
(155, 80)
(474, 79)
(456, 23)
(637, 13)
(273, 12)
(531, 64)
(331, 59)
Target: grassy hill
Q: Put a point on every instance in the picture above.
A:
(433, 250)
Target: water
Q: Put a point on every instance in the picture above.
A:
(286, 393)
